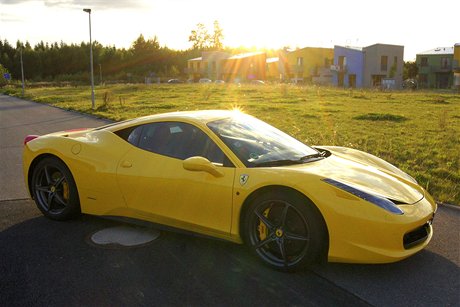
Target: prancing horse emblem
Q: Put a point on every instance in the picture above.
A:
(243, 179)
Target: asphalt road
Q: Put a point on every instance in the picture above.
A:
(50, 263)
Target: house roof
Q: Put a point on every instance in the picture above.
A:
(351, 47)
(272, 60)
(196, 59)
(439, 50)
(384, 45)
(245, 55)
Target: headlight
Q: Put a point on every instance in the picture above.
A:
(382, 202)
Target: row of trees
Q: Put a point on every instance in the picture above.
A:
(145, 58)
(50, 62)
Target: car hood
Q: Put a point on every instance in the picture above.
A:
(368, 177)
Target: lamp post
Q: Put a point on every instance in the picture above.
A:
(22, 73)
(100, 74)
(91, 59)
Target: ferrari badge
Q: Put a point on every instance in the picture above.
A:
(243, 179)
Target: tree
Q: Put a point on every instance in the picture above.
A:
(143, 47)
(217, 37)
(202, 40)
(200, 37)
(146, 55)
(410, 70)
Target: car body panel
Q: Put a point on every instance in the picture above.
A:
(160, 185)
(115, 178)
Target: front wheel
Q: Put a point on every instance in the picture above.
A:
(54, 190)
(285, 231)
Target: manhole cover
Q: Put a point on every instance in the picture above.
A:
(124, 236)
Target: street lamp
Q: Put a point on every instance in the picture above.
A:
(91, 58)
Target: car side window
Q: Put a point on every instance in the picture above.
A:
(135, 135)
(177, 140)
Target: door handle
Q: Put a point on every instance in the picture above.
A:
(126, 164)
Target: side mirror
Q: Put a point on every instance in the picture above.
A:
(200, 164)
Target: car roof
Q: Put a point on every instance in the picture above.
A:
(202, 117)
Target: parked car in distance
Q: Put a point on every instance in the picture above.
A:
(410, 84)
(205, 80)
(219, 82)
(171, 81)
(257, 82)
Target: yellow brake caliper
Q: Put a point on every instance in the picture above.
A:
(65, 190)
(263, 231)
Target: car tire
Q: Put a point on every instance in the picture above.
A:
(285, 230)
(54, 190)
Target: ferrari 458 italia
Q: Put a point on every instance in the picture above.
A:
(228, 175)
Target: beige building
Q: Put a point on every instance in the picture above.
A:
(383, 66)
(209, 65)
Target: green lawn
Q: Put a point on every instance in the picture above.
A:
(417, 131)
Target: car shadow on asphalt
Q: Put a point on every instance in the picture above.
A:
(52, 263)
(425, 279)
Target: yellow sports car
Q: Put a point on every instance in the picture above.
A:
(229, 175)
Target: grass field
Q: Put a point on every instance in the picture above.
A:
(417, 131)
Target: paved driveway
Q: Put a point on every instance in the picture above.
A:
(43, 262)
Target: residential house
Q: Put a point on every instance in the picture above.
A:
(309, 65)
(195, 70)
(209, 65)
(273, 69)
(348, 68)
(435, 67)
(456, 66)
(383, 66)
(244, 67)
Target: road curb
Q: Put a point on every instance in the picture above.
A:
(446, 205)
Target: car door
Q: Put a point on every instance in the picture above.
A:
(157, 187)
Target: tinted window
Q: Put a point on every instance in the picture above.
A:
(176, 140)
(135, 135)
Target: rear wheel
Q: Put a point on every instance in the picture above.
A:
(54, 190)
(285, 231)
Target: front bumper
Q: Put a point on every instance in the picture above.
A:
(382, 237)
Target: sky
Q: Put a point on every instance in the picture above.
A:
(418, 25)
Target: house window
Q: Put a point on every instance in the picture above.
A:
(198, 66)
(445, 63)
(214, 66)
(395, 61)
(352, 81)
(424, 61)
(342, 62)
(300, 61)
(384, 63)
(377, 80)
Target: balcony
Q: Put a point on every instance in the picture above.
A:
(445, 68)
(339, 68)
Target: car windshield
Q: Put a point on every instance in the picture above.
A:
(258, 144)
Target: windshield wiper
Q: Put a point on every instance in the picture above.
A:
(314, 156)
(302, 160)
(279, 162)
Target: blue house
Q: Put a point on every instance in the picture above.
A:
(348, 68)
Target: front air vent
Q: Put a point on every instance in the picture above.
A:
(416, 236)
